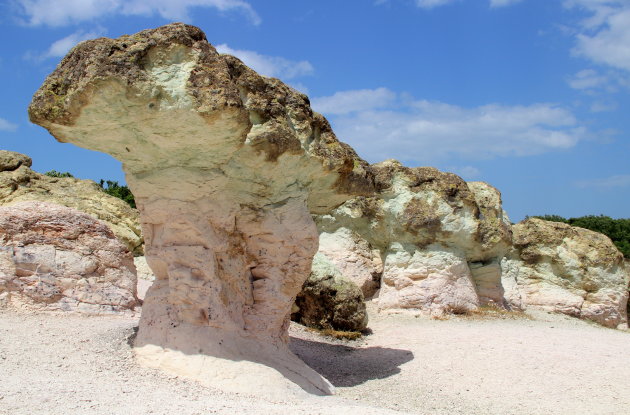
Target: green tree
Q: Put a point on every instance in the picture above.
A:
(122, 192)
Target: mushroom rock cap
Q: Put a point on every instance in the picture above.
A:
(226, 167)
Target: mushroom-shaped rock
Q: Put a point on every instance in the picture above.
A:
(226, 166)
(566, 269)
(440, 240)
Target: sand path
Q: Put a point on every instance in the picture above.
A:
(552, 365)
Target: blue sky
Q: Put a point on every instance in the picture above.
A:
(531, 96)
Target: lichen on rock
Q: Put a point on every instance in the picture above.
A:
(226, 166)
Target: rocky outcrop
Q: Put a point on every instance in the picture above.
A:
(329, 300)
(225, 166)
(54, 258)
(569, 270)
(439, 240)
(19, 183)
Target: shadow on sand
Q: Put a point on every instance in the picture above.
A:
(347, 366)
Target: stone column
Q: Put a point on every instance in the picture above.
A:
(226, 167)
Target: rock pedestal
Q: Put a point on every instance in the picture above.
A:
(439, 238)
(569, 270)
(226, 166)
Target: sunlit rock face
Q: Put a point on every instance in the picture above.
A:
(434, 241)
(226, 166)
(18, 183)
(54, 258)
(569, 270)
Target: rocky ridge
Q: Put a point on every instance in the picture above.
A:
(19, 183)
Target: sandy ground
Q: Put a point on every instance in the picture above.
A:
(52, 364)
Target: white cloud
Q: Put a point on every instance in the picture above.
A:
(502, 3)
(587, 79)
(345, 102)
(621, 180)
(7, 126)
(60, 47)
(604, 36)
(65, 12)
(274, 66)
(468, 173)
(423, 131)
(603, 106)
(429, 4)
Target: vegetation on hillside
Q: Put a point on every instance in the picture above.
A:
(110, 187)
(122, 192)
(55, 173)
(618, 230)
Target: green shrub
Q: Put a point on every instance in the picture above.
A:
(122, 192)
(55, 173)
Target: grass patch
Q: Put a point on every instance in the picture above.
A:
(492, 311)
(337, 334)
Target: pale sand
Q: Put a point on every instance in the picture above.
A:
(51, 364)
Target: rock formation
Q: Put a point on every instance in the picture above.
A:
(19, 183)
(329, 300)
(54, 258)
(567, 269)
(436, 239)
(226, 166)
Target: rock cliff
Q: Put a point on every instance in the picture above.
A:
(19, 183)
(432, 241)
(567, 269)
(54, 258)
(226, 166)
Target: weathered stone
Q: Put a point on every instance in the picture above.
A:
(441, 239)
(54, 258)
(226, 166)
(567, 269)
(354, 257)
(19, 183)
(329, 300)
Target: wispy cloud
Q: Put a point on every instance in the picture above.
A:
(468, 173)
(65, 12)
(429, 4)
(7, 126)
(345, 102)
(588, 79)
(604, 36)
(60, 47)
(421, 131)
(503, 3)
(274, 66)
(621, 180)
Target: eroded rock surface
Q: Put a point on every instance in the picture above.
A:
(19, 183)
(329, 300)
(54, 258)
(439, 240)
(225, 166)
(567, 269)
